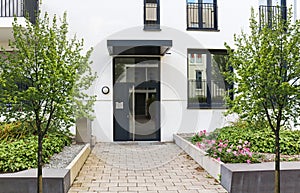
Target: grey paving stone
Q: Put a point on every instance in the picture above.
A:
(159, 168)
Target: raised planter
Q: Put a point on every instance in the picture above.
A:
(245, 178)
(259, 178)
(54, 180)
(211, 165)
(77, 163)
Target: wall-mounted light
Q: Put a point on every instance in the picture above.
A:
(105, 90)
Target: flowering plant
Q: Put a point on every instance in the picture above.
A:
(199, 136)
(224, 150)
(234, 153)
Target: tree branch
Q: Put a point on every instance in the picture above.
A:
(49, 118)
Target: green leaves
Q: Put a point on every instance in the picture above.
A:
(22, 154)
(266, 66)
(43, 79)
(262, 140)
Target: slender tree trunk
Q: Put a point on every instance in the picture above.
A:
(277, 161)
(40, 164)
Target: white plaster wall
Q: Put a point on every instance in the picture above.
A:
(97, 21)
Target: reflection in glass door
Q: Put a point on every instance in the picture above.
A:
(136, 99)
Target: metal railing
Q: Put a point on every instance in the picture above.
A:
(270, 15)
(202, 16)
(207, 93)
(19, 8)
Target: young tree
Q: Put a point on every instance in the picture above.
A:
(266, 65)
(43, 79)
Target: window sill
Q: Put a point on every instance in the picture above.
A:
(203, 29)
(155, 27)
(205, 106)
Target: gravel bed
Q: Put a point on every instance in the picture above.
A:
(64, 158)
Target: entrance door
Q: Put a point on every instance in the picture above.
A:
(136, 99)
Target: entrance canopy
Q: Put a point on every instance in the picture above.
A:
(138, 47)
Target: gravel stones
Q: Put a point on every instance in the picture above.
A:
(64, 158)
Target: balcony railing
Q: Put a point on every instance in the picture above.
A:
(202, 16)
(207, 94)
(19, 8)
(270, 15)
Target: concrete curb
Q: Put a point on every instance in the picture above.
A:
(211, 165)
(77, 163)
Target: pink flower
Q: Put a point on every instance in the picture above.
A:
(200, 145)
(220, 144)
(208, 142)
(202, 133)
(220, 149)
(239, 147)
(213, 141)
(248, 161)
(246, 142)
(242, 152)
(228, 150)
(234, 153)
(219, 159)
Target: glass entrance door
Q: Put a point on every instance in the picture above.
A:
(136, 99)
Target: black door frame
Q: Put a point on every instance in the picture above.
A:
(126, 135)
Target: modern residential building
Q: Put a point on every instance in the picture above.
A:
(159, 62)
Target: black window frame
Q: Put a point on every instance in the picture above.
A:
(152, 25)
(206, 102)
(200, 6)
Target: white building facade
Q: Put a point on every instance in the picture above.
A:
(159, 62)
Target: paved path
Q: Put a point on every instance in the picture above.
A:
(142, 167)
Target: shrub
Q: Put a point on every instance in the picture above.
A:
(262, 140)
(198, 137)
(22, 154)
(239, 153)
(223, 150)
(232, 144)
(15, 131)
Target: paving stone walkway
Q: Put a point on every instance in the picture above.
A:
(142, 167)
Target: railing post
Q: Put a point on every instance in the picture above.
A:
(200, 15)
(31, 9)
(215, 15)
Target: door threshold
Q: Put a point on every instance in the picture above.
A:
(140, 143)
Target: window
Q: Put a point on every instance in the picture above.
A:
(270, 10)
(202, 15)
(206, 84)
(198, 79)
(151, 15)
